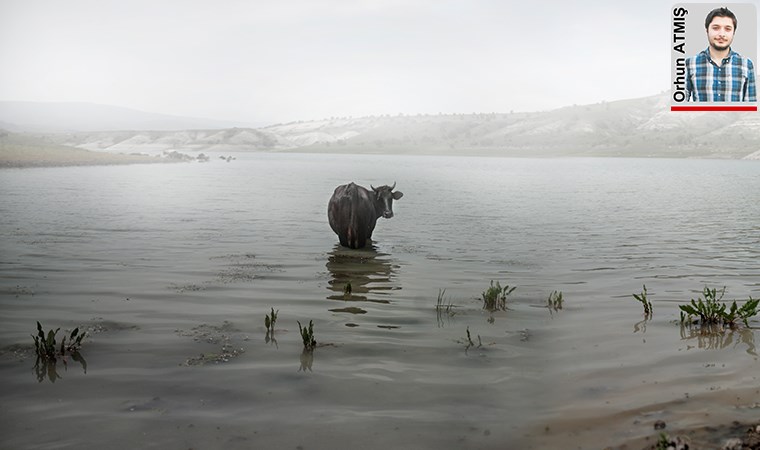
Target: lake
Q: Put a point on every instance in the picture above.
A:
(171, 269)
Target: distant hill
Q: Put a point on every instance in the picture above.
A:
(73, 117)
(636, 127)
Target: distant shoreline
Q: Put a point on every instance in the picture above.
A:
(63, 161)
(19, 152)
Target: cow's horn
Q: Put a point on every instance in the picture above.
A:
(373, 187)
(394, 186)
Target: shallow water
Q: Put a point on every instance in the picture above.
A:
(172, 269)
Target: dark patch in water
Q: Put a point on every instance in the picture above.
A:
(18, 352)
(18, 291)
(153, 405)
(349, 309)
(357, 298)
(235, 257)
(215, 335)
(241, 268)
(237, 273)
(180, 289)
(102, 326)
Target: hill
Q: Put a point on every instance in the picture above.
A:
(627, 128)
(638, 127)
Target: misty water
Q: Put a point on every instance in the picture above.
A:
(172, 268)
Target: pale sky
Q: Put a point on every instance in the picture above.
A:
(285, 60)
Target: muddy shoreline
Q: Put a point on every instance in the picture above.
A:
(734, 436)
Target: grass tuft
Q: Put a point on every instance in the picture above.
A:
(270, 320)
(710, 310)
(469, 343)
(555, 301)
(642, 298)
(49, 351)
(443, 307)
(47, 348)
(495, 297)
(307, 334)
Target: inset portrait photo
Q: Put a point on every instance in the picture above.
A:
(713, 57)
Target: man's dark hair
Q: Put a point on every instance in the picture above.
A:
(719, 12)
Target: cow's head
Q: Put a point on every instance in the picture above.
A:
(384, 197)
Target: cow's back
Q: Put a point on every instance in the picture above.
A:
(348, 212)
(339, 208)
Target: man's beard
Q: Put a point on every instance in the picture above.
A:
(719, 47)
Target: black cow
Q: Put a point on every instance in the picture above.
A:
(354, 210)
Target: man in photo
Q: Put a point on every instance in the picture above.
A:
(719, 74)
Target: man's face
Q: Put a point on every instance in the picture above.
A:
(720, 33)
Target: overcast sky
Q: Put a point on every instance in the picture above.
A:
(283, 60)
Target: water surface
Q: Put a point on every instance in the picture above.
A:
(172, 269)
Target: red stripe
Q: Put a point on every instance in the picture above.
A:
(713, 108)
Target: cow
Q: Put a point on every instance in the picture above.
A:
(353, 211)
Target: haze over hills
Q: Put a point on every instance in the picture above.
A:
(46, 117)
(23, 150)
(636, 127)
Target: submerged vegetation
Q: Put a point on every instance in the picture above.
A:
(307, 334)
(48, 352)
(642, 298)
(270, 320)
(710, 310)
(444, 307)
(555, 301)
(469, 342)
(495, 297)
(47, 348)
(710, 321)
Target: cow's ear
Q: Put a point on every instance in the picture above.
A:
(397, 195)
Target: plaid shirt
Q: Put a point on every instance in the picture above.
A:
(733, 81)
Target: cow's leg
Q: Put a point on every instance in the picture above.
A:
(357, 240)
(361, 240)
(370, 229)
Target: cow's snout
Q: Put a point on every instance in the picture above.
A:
(388, 214)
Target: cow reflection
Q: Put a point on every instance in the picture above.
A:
(360, 275)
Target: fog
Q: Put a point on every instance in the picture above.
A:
(269, 62)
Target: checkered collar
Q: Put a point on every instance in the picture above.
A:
(727, 59)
